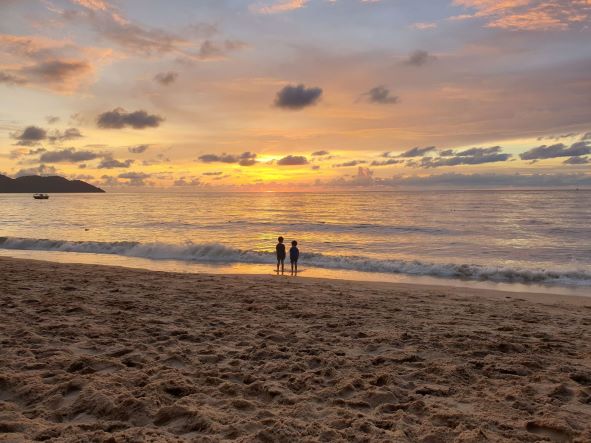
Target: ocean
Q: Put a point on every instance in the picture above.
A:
(531, 239)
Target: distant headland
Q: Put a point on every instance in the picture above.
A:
(36, 183)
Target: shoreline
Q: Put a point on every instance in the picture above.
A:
(102, 352)
(176, 266)
(492, 293)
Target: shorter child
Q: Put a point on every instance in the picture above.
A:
(294, 254)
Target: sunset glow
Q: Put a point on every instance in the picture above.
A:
(297, 95)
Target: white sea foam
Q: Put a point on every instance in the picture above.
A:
(217, 253)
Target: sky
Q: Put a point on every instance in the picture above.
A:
(295, 95)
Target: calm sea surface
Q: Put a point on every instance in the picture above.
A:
(532, 237)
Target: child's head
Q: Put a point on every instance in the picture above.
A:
(294, 243)
(280, 239)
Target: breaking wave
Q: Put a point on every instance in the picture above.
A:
(217, 253)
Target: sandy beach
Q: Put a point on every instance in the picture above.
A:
(91, 353)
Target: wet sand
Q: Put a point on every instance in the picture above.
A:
(93, 353)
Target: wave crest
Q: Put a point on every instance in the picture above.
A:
(217, 253)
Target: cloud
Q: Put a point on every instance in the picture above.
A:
(96, 5)
(210, 50)
(69, 155)
(529, 15)
(414, 152)
(349, 164)
(577, 161)
(11, 79)
(473, 156)
(118, 118)
(111, 163)
(277, 6)
(166, 78)
(468, 181)
(33, 135)
(68, 134)
(380, 95)
(419, 58)
(58, 71)
(586, 136)
(297, 97)
(138, 149)
(42, 170)
(57, 65)
(30, 136)
(315, 167)
(137, 39)
(244, 159)
(293, 160)
(135, 178)
(319, 153)
(557, 150)
(183, 181)
(424, 25)
(390, 161)
(52, 119)
(212, 174)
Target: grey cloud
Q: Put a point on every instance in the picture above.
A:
(57, 71)
(118, 118)
(183, 181)
(69, 155)
(52, 119)
(492, 180)
(42, 169)
(212, 50)
(135, 178)
(557, 150)
(414, 152)
(586, 136)
(30, 136)
(474, 156)
(11, 79)
(134, 38)
(212, 173)
(390, 161)
(558, 137)
(475, 152)
(419, 58)
(297, 97)
(446, 153)
(138, 149)
(319, 153)
(315, 167)
(166, 78)
(244, 159)
(112, 163)
(68, 134)
(381, 95)
(349, 163)
(293, 160)
(577, 161)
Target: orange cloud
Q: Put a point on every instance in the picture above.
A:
(278, 7)
(528, 14)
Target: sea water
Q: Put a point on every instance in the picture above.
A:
(510, 237)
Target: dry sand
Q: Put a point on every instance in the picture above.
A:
(90, 353)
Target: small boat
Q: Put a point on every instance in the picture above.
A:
(40, 196)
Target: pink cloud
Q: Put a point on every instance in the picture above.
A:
(528, 14)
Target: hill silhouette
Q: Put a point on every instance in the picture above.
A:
(52, 184)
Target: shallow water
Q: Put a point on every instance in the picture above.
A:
(541, 237)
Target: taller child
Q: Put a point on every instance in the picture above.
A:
(280, 250)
